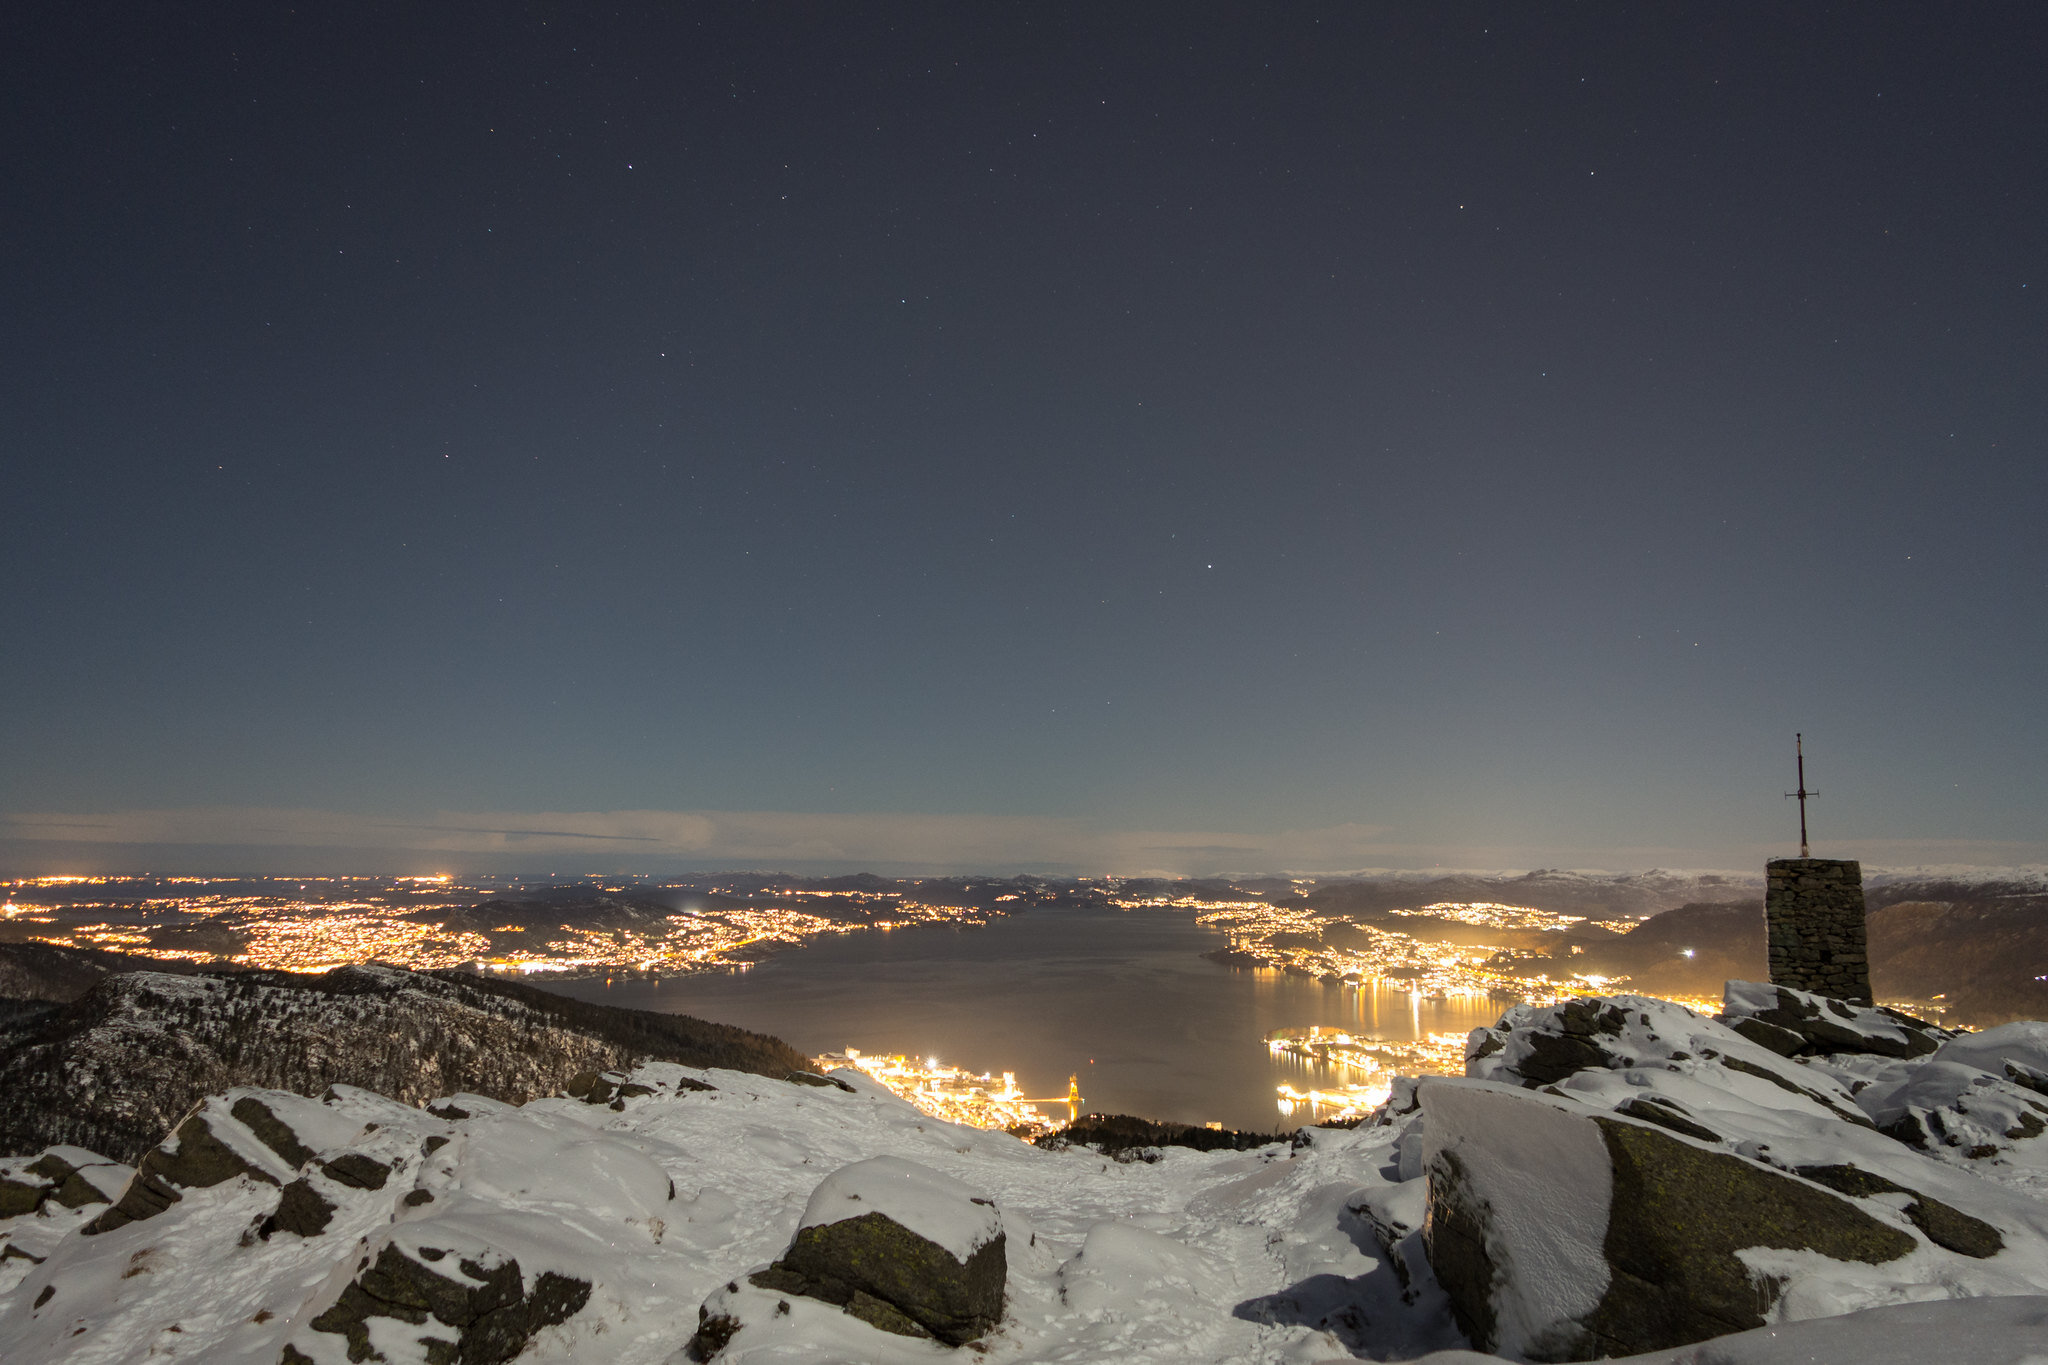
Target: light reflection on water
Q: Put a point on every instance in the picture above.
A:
(1123, 999)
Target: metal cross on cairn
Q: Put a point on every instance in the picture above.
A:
(1799, 748)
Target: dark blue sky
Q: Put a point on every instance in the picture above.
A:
(1324, 436)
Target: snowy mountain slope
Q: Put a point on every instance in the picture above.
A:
(287, 1229)
(582, 1191)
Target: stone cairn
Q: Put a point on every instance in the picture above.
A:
(1813, 909)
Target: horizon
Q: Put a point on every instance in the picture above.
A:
(453, 876)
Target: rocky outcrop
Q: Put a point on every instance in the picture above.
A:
(1959, 1111)
(1564, 1234)
(265, 1136)
(813, 1078)
(1651, 1058)
(60, 974)
(1944, 1225)
(115, 1069)
(455, 1239)
(69, 1177)
(605, 1087)
(486, 1303)
(1801, 1024)
(888, 1242)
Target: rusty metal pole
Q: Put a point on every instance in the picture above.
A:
(1799, 748)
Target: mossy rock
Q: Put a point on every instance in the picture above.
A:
(1679, 1215)
(893, 1278)
(493, 1311)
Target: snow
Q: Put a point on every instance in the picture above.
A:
(1993, 1331)
(1283, 1256)
(1880, 1029)
(1668, 1049)
(26, 1240)
(2023, 1046)
(1551, 1232)
(935, 1207)
(1124, 1269)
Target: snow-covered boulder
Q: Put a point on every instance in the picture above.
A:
(478, 1308)
(71, 1176)
(1980, 1097)
(1562, 1232)
(1801, 1023)
(262, 1135)
(1128, 1269)
(606, 1087)
(1654, 1059)
(891, 1243)
(2017, 1052)
(1959, 1112)
(44, 1198)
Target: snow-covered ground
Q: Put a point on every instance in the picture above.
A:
(1177, 1242)
(1302, 1253)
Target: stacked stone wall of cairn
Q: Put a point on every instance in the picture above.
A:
(1813, 910)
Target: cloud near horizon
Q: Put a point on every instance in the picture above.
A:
(622, 840)
(765, 837)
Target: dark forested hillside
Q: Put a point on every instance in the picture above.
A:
(115, 1068)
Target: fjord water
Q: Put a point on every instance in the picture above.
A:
(1123, 999)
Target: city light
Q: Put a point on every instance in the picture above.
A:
(267, 922)
(1294, 939)
(959, 1096)
(1366, 1065)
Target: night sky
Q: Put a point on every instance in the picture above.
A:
(1095, 437)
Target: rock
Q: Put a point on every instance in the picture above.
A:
(263, 1135)
(78, 1189)
(891, 1243)
(813, 1078)
(194, 1158)
(1119, 1134)
(486, 1300)
(1666, 1114)
(1945, 1225)
(1626, 1045)
(301, 1210)
(357, 1171)
(1562, 1233)
(594, 1087)
(262, 1121)
(1782, 1041)
(69, 1176)
(1800, 1023)
(465, 1105)
(1959, 1112)
(893, 1278)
